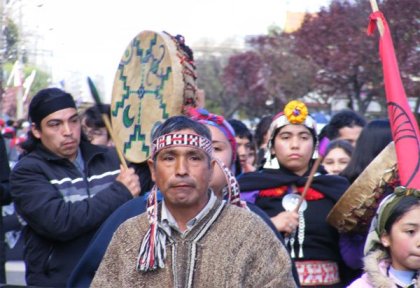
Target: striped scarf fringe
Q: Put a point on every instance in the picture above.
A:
(233, 191)
(152, 250)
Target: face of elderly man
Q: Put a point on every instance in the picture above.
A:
(183, 176)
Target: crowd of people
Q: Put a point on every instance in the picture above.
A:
(215, 205)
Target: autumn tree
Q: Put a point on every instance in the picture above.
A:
(209, 70)
(403, 17)
(335, 39)
(244, 82)
(287, 75)
(269, 75)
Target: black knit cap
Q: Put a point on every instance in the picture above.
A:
(48, 101)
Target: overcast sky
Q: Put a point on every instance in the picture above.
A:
(90, 35)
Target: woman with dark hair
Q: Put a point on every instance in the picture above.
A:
(94, 126)
(311, 241)
(392, 248)
(375, 136)
(261, 138)
(337, 156)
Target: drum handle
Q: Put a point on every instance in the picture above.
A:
(108, 126)
(105, 118)
(322, 149)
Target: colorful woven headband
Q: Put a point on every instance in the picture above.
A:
(187, 140)
(205, 117)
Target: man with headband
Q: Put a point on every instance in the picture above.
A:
(191, 239)
(63, 189)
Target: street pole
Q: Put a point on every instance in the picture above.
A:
(19, 70)
(2, 52)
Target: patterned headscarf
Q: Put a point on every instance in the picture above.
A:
(384, 211)
(295, 113)
(205, 117)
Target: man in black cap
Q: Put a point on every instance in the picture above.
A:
(64, 188)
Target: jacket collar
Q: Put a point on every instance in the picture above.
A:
(88, 151)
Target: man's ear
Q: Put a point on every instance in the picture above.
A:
(35, 131)
(385, 240)
(212, 164)
(212, 167)
(151, 165)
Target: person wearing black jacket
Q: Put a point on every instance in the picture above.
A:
(5, 199)
(63, 188)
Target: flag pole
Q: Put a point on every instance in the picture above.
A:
(404, 127)
(379, 23)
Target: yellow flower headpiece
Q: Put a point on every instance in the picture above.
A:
(296, 112)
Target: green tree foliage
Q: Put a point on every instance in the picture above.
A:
(11, 33)
(41, 81)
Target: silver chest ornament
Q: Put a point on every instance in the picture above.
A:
(290, 202)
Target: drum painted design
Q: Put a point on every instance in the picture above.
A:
(149, 87)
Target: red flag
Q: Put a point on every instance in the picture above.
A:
(405, 130)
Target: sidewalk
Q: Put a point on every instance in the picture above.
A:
(15, 273)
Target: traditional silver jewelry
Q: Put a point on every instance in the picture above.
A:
(301, 233)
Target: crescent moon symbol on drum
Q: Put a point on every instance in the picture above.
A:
(126, 118)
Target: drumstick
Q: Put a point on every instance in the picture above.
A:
(105, 118)
(323, 144)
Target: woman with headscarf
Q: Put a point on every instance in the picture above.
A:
(393, 244)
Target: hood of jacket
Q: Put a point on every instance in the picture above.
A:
(376, 266)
